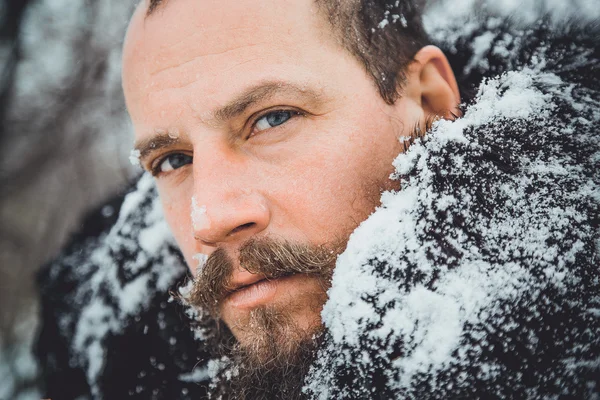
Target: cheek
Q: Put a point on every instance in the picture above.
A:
(337, 185)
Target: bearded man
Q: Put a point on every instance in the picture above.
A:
(338, 250)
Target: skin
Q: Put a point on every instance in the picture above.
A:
(312, 179)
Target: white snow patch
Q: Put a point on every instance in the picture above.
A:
(134, 157)
(199, 216)
(481, 46)
(197, 375)
(384, 22)
(152, 237)
(200, 261)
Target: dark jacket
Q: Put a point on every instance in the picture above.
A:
(110, 328)
(488, 285)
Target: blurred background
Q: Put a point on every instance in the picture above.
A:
(64, 144)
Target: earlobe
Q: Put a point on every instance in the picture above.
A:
(439, 93)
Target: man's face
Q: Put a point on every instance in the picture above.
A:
(259, 125)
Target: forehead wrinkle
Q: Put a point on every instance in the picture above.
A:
(191, 60)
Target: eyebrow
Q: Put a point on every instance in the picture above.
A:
(154, 143)
(262, 92)
(251, 96)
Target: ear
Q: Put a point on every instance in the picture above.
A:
(431, 83)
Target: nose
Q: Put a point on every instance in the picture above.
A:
(227, 214)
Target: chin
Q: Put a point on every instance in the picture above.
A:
(271, 332)
(271, 357)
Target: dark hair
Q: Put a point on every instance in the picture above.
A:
(384, 35)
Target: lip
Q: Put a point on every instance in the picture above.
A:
(244, 279)
(254, 292)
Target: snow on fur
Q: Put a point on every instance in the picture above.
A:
(116, 290)
(431, 316)
(490, 244)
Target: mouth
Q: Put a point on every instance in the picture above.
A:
(255, 291)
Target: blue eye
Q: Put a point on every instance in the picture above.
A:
(174, 161)
(273, 119)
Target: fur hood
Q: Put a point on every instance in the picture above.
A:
(478, 279)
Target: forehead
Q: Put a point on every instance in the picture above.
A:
(219, 46)
(209, 27)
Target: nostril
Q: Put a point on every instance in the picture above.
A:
(241, 228)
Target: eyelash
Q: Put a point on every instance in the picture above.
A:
(294, 113)
(154, 167)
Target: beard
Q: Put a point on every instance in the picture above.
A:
(274, 367)
(276, 353)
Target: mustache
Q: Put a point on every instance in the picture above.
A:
(271, 258)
